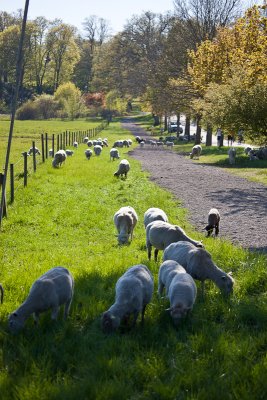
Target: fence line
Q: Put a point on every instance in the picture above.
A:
(61, 141)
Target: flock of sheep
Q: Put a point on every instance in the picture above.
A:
(184, 260)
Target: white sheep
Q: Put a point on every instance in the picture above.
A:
(90, 143)
(2, 293)
(232, 155)
(124, 167)
(75, 144)
(196, 151)
(88, 154)
(118, 143)
(125, 220)
(50, 291)
(105, 142)
(198, 263)
(134, 290)
(114, 154)
(154, 214)
(59, 157)
(160, 234)
(69, 152)
(213, 222)
(125, 143)
(30, 151)
(50, 152)
(180, 289)
(169, 143)
(97, 149)
(85, 139)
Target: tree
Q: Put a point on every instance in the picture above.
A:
(69, 97)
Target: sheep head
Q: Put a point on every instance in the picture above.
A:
(109, 322)
(178, 312)
(226, 284)
(15, 322)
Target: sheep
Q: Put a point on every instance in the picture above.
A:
(196, 151)
(247, 150)
(123, 169)
(160, 144)
(213, 222)
(59, 157)
(180, 289)
(114, 154)
(160, 234)
(154, 214)
(90, 143)
(253, 155)
(51, 152)
(169, 144)
(118, 143)
(125, 143)
(125, 220)
(105, 142)
(231, 155)
(130, 142)
(88, 153)
(30, 151)
(75, 144)
(198, 263)
(69, 152)
(97, 149)
(50, 291)
(2, 293)
(85, 139)
(134, 290)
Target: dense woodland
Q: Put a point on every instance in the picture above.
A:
(207, 59)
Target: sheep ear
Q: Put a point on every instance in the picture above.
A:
(168, 309)
(230, 273)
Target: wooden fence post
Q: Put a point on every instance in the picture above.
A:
(34, 156)
(46, 145)
(57, 142)
(12, 192)
(25, 155)
(4, 213)
(53, 145)
(43, 150)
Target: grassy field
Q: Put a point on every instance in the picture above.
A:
(65, 217)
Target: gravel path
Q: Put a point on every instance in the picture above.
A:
(242, 204)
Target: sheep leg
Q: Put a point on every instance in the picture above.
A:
(143, 314)
(67, 308)
(160, 288)
(36, 318)
(216, 229)
(148, 245)
(156, 252)
(54, 313)
(135, 315)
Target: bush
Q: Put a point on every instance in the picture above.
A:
(28, 110)
(43, 107)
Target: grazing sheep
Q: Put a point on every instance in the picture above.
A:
(123, 169)
(118, 143)
(232, 155)
(198, 263)
(105, 142)
(213, 221)
(50, 152)
(154, 214)
(30, 151)
(160, 234)
(69, 152)
(90, 143)
(125, 220)
(130, 142)
(88, 154)
(125, 143)
(114, 154)
(2, 293)
(134, 290)
(50, 291)
(196, 151)
(169, 144)
(85, 139)
(59, 158)
(180, 289)
(75, 144)
(160, 144)
(247, 150)
(97, 149)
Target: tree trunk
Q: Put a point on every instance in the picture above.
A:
(198, 131)
(165, 122)
(209, 135)
(187, 126)
(156, 119)
(178, 120)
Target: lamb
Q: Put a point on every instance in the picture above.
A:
(213, 221)
(196, 151)
(125, 220)
(2, 293)
(50, 291)
(180, 289)
(69, 152)
(198, 263)
(123, 169)
(114, 154)
(30, 151)
(75, 144)
(134, 291)
(232, 155)
(59, 158)
(88, 153)
(154, 214)
(160, 234)
(97, 149)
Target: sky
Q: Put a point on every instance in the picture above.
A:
(117, 12)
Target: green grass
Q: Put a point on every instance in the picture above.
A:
(65, 217)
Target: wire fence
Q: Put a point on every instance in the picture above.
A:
(21, 170)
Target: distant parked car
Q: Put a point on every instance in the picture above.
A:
(173, 128)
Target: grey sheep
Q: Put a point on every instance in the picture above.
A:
(59, 157)
(69, 152)
(124, 168)
(50, 291)
(114, 154)
(88, 154)
(180, 289)
(134, 290)
(30, 151)
(160, 234)
(213, 221)
(97, 149)
(196, 151)
(125, 220)
(154, 214)
(2, 293)
(199, 264)
(232, 155)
